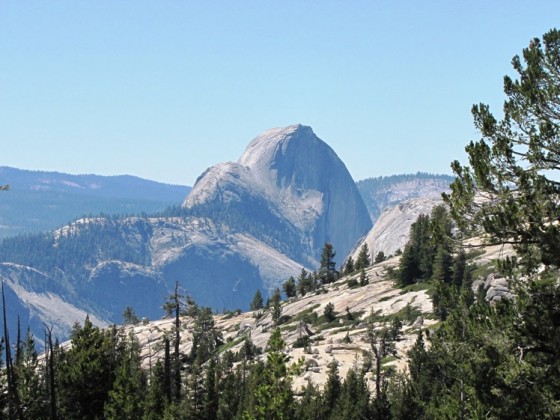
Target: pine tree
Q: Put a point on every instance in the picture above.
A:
(257, 302)
(332, 390)
(363, 278)
(379, 257)
(354, 398)
(273, 397)
(363, 260)
(156, 398)
(306, 282)
(129, 316)
(327, 269)
(329, 312)
(349, 266)
(31, 387)
(509, 194)
(126, 398)
(310, 406)
(290, 287)
(276, 308)
(85, 374)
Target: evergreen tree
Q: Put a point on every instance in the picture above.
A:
(156, 398)
(509, 194)
(327, 269)
(310, 405)
(50, 373)
(230, 388)
(290, 287)
(382, 342)
(332, 389)
(173, 306)
(306, 282)
(354, 398)
(363, 278)
(349, 266)
(515, 164)
(31, 386)
(363, 260)
(85, 374)
(257, 302)
(273, 397)
(206, 338)
(211, 392)
(329, 312)
(129, 316)
(126, 398)
(379, 257)
(276, 307)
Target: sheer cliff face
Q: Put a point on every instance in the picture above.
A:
(294, 186)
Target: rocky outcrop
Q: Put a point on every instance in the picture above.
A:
(495, 288)
(392, 229)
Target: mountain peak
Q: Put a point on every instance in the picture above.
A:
(290, 179)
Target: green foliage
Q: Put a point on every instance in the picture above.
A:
(333, 388)
(379, 257)
(276, 308)
(515, 164)
(501, 360)
(206, 338)
(31, 385)
(306, 283)
(129, 316)
(354, 398)
(126, 398)
(289, 287)
(329, 312)
(273, 396)
(427, 255)
(363, 260)
(327, 269)
(352, 283)
(349, 266)
(301, 342)
(363, 278)
(257, 302)
(86, 372)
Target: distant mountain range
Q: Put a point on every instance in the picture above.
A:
(387, 191)
(244, 226)
(42, 201)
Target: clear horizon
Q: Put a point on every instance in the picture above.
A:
(163, 90)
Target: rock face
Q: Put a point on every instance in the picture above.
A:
(38, 300)
(245, 226)
(392, 229)
(386, 192)
(290, 190)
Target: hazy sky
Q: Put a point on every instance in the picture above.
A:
(163, 89)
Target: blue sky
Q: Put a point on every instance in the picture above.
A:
(164, 89)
